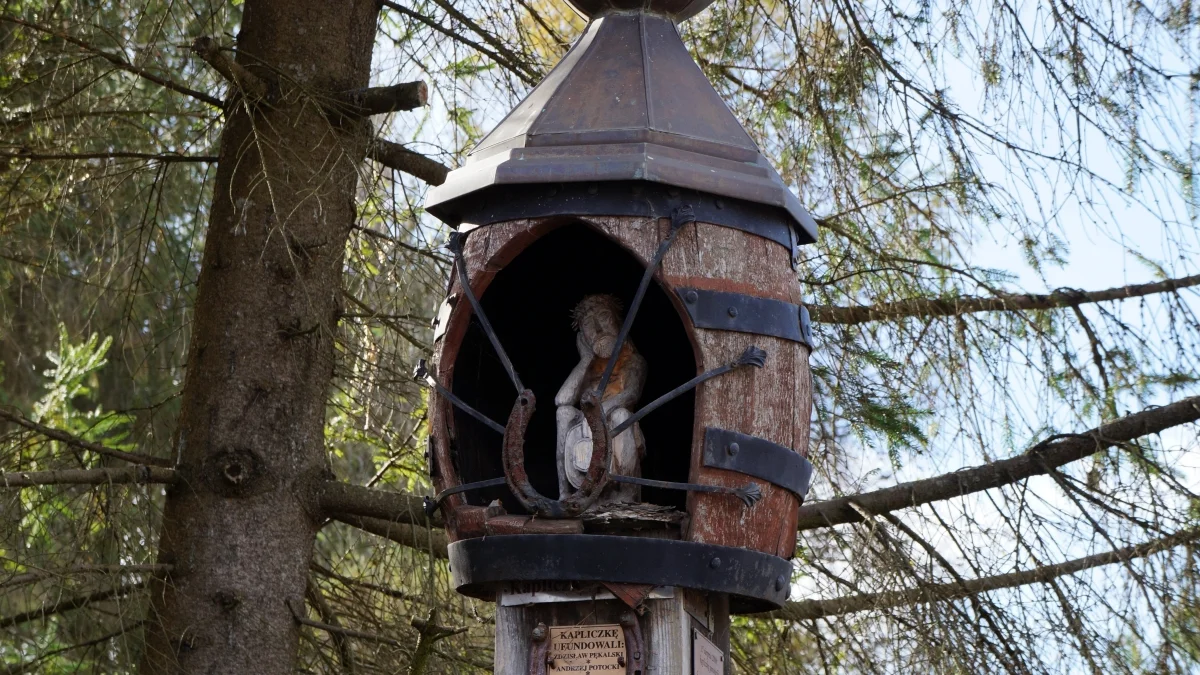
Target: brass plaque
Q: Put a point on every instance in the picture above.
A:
(707, 658)
(587, 650)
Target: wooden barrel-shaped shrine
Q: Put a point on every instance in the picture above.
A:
(728, 289)
(623, 180)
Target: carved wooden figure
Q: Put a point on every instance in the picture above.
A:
(597, 320)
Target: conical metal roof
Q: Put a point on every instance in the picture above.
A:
(627, 103)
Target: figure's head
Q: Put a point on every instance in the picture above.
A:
(598, 318)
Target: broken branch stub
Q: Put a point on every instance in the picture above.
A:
(252, 86)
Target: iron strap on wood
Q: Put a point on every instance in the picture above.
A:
(721, 310)
(774, 463)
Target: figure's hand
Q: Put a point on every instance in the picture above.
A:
(604, 345)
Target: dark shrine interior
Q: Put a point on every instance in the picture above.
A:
(529, 305)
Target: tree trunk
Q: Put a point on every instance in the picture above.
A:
(239, 525)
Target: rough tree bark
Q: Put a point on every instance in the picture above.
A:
(240, 523)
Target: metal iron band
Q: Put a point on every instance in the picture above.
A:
(755, 581)
(721, 310)
(630, 198)
(774, 463)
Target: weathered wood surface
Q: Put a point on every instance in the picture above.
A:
(773, 403)
(666, 627)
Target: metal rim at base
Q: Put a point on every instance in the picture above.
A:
(755, 581)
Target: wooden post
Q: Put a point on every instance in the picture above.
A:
(669, 627)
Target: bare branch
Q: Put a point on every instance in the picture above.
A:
(68, 604)
(73, 440)
(815, 609)
(248, 83)
(1038, 460)
(345, 649)
(116, 60)
(348, 632)
(508, 60)
(426, 540)
(167, 157)
(383, 100)
(400, 158)
(337, 497)
(132, 474)
(29, 666)
(429, 633)
(390, 592)
(933, 307)
(29, 577)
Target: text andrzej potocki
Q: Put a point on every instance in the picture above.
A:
(587, 649)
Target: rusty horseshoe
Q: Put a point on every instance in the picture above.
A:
(514, 460)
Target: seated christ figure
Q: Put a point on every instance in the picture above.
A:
(597, 320)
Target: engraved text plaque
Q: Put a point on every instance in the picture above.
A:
(587, 650)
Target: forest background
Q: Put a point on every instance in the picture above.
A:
(1004, 296)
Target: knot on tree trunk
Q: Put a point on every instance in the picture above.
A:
(237, 472)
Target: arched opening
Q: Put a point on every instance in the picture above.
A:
(529, 304)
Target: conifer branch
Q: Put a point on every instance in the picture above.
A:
(75, 441)
(807, 610)
(936, 307)
(1040, 459)
(116, 60)
(400, 158)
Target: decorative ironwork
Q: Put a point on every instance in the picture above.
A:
(749, 494)
(753, 356)
(432, 504)
(421, 374)
(681, 216)
(456, 247)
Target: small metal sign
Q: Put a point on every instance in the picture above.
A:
(707, 658)
(520, 593)
(587, 650)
